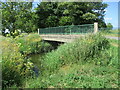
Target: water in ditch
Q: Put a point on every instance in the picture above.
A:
(37, 58)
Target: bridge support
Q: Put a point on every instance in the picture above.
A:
(95, 27)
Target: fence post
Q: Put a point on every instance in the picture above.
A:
(38, 31)
(95, 27)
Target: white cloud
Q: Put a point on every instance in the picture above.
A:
(108, 18)
(105, 10)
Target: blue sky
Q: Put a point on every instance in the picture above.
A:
(112, 13)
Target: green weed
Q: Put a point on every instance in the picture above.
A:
(14, 67)
(90, 62)
(87, 49)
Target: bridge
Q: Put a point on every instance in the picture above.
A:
(67, 33)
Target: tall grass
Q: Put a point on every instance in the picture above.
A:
(86, 49)
(90, 62)
(113, 33)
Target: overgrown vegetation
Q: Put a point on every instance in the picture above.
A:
(15, 66)
(90, 62)
(82, 50)
(31, 43)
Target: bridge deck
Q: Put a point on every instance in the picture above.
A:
(60, 37)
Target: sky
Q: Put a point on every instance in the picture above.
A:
(111, 15)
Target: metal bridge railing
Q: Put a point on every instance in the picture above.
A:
(71, 29)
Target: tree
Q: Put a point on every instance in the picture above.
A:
(18, 16)
(70, 13)
(109, 26)
(51, 21)
(65, 20)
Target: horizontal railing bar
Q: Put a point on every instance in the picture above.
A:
(68, 26)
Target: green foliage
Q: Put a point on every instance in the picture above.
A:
(28, 43)
(78, 76)
(87, 75)
(68, 13)
(89, 62)
(113, 52)
(45, 47)
(18, 15)
(51, 21)
(66, 20)
(14, 67)
(110, 26)
(89, 16)
(108, 32)
(15, 33)
(87, 49)
(32, 43)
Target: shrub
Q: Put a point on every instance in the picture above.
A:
(14, 51)
(45, 47)
(28, 43)
(86, 49)
(14, 67)
(32, 43)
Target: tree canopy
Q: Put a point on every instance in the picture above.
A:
(18, 16)
(52, 14)
(109, 26)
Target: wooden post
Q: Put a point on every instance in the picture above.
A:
(38, 31)
(95, 27)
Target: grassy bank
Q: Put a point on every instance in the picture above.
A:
(112, 33)
(15, 66)
(91, 62)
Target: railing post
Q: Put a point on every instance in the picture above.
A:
(95, 27)
(38, 31)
